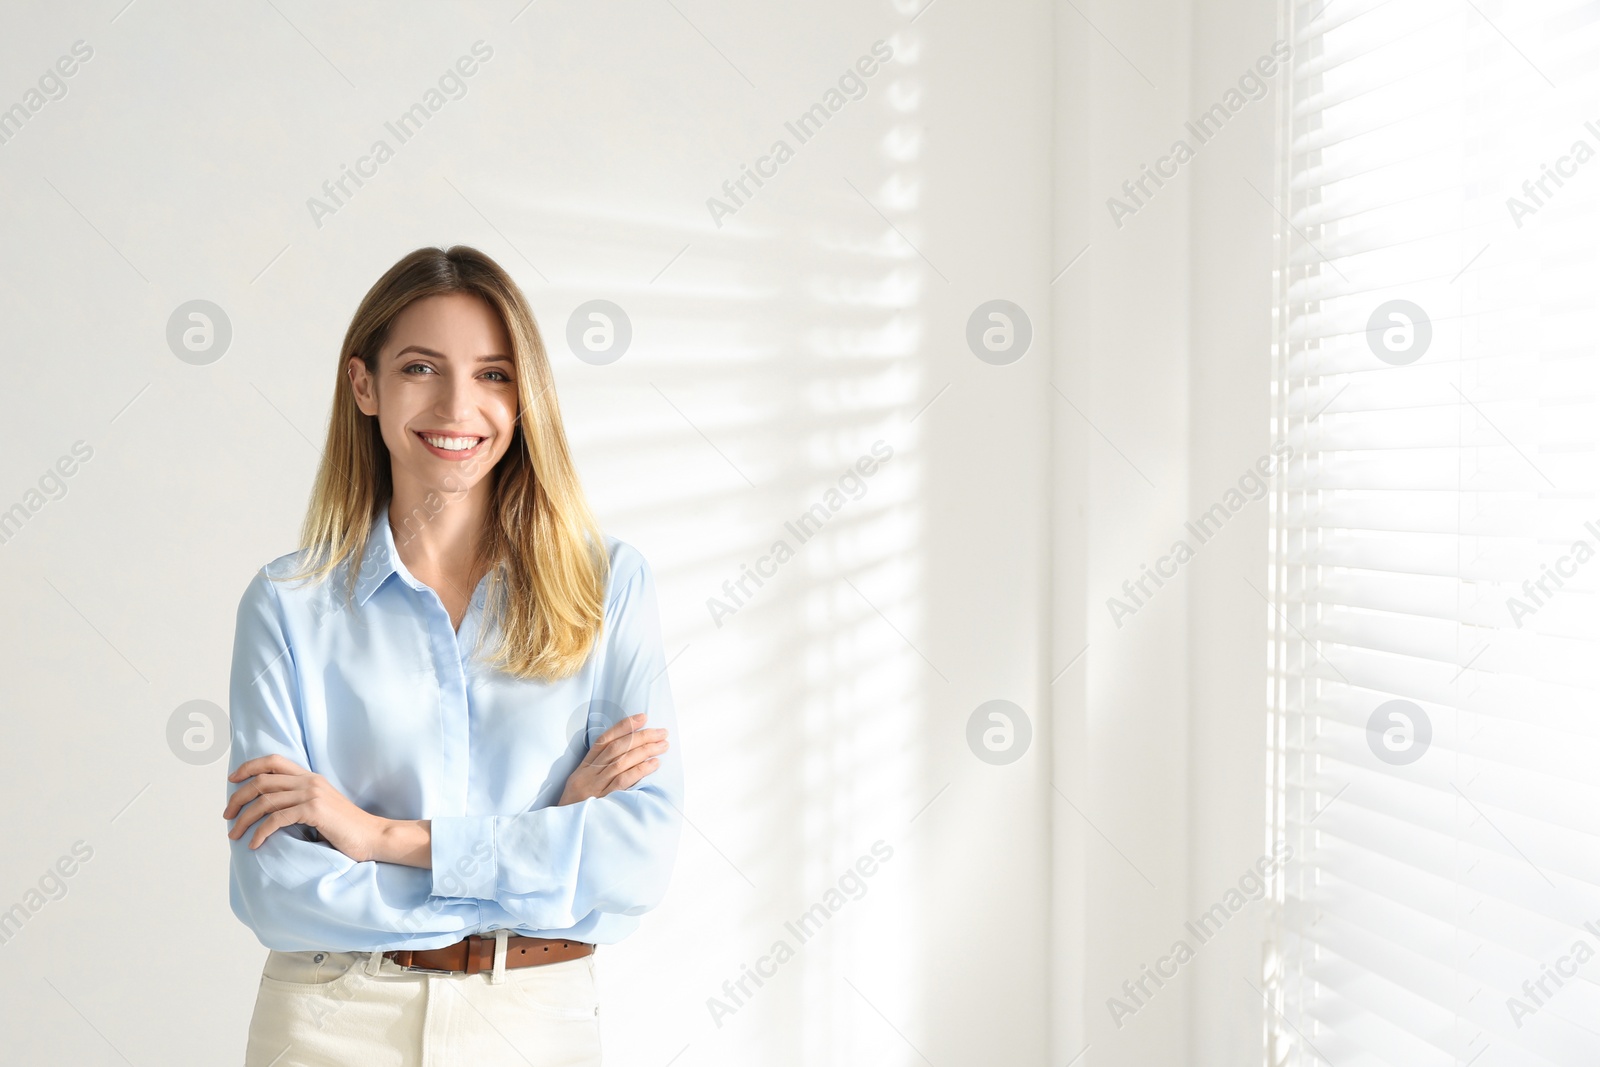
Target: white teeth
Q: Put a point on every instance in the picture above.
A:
(452, 444)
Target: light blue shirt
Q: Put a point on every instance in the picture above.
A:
(408, 720)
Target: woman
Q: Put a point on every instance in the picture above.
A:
(444, 793)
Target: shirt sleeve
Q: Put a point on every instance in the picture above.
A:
(553, 866)
(296, 891)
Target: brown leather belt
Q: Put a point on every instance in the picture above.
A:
(474, 954)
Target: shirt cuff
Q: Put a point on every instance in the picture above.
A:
(464, 858)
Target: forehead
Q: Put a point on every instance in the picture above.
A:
(455, 324)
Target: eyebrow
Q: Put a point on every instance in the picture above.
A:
(493, 358)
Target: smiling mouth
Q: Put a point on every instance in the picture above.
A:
(451, 447)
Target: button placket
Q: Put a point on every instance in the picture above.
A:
(454, 725)
(450, 674)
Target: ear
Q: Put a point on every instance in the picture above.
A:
(362, 386)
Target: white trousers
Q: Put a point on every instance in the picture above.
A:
(357, 1009)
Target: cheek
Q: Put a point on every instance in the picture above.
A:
(506, 415)
(507, 437)
(393, 429)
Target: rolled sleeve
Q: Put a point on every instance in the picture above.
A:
(554, 867)
(463, 856)
(296, 892)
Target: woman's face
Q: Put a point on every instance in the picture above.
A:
(444, 392)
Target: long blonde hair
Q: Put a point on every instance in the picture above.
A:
(540, 540)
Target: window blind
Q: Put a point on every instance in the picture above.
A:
(1434, 720)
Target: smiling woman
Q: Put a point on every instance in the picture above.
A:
(459, 410)
(411, 816)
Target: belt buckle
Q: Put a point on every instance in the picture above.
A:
(415, 969)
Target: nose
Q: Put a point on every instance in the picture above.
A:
(455, 401)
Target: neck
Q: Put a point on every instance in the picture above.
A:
(437, 533)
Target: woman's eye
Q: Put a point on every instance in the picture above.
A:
(503, 376)
(416, 366)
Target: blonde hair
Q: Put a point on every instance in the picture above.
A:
(541, 542)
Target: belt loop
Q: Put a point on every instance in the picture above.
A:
(501, 937)
(375, 961)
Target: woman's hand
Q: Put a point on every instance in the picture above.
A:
(286, 794)
(620, 757)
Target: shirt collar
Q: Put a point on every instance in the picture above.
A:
(379, 560)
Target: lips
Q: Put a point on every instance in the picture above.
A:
(452, 446)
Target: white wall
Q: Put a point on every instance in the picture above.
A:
(1231, 261)
(768, 355)
(1123, 427)
(1163, 334)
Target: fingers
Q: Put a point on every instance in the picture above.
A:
(273, 822)
(630, 766)
(254, 810)
(263, 783)
(605, 754)
(619, 757)
(273, 802)
(620, 728)
(631, 756)
(633, 775)
(274, 763)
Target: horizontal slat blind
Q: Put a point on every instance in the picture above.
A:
(1432, 904)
